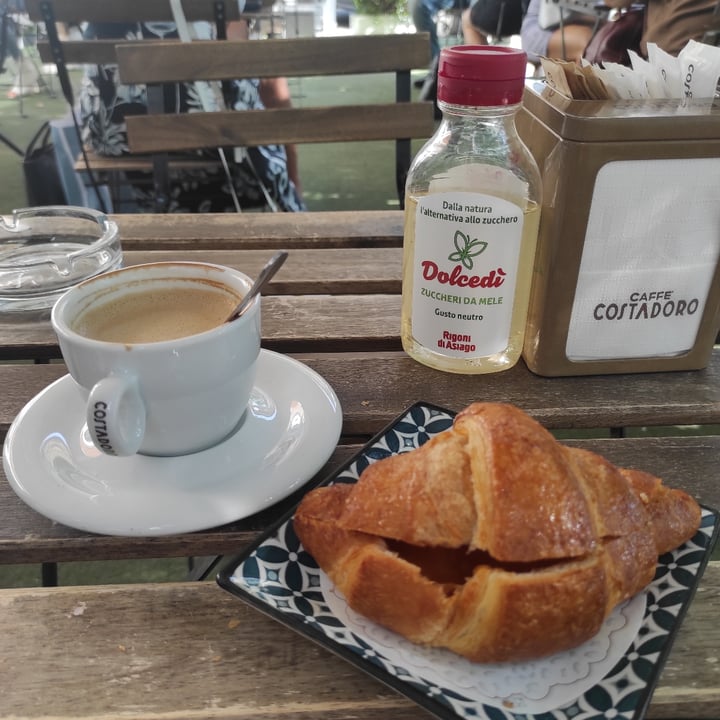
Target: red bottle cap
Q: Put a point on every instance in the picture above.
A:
(481, 75)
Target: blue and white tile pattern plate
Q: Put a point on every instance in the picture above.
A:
(613, 675)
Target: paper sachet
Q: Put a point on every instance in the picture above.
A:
(692, 77)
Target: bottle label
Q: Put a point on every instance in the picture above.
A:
(467, 249)
(650, 254)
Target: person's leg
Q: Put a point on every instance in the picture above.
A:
(27, 77)
(492, 18)
(569, 43)
(423, 14)
(471, 34)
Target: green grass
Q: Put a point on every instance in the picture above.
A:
(19, 121)
(98, 572)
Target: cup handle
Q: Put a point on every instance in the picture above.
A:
(116, 415)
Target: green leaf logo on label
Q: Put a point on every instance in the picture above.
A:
(466, 248)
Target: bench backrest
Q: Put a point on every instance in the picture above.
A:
(156, 62)
(218, 60)
(109, 11)
(74, 12)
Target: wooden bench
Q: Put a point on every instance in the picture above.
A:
(155, 64)
(400, 121)
(51, 12)
(64, 52)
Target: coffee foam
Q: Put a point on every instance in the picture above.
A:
(148, 311)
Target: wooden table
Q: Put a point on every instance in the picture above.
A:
(190, 649)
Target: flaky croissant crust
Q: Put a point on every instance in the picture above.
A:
(494, 540)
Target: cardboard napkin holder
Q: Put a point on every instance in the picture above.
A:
(625, 187)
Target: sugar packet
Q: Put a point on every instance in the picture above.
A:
(649, 74)
(699, 66)
(692, 77)
(574, 81)
(627, 84)
(668, 67)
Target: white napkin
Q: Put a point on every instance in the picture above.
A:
(652, 245)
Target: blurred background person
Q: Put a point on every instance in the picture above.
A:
(486, 19)
(543, 35)
(424, 16)
(270, 170)
(16, 31)
(671, 23)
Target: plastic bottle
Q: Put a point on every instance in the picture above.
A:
(472, 209)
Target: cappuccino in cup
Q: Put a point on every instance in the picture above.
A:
(149, 347)
(145, 315)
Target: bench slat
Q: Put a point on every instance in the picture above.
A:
(290, 57)
(347, 123)
(27, 537)
(397, 381)
(341, 229)
(348, 323)
(194, 650)
(81, 52)
(76, 11)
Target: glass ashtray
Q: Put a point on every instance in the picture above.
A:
(46, 250)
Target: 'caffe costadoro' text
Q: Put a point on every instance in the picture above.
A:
(647, 306)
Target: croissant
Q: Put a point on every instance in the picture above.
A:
(493, 540)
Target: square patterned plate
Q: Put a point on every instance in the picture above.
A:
(616, 671)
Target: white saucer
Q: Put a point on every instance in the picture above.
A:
(290, 429)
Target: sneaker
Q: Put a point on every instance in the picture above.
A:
(16, 92)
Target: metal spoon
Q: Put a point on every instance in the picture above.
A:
(271, 267)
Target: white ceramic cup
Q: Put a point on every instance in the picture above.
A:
(169, 397)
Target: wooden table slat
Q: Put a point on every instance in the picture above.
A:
(367, 271)
(339, 229)
(25, 536)
(195, 651)
(375, 387)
